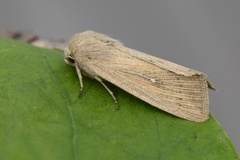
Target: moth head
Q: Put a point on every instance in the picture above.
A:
(68, 57)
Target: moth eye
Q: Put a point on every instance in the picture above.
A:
(70, 59)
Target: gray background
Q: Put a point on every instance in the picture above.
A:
(200, 34)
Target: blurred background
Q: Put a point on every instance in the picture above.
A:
(203, 35)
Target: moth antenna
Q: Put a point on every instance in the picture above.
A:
(109, 91)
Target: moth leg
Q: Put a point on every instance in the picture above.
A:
(80, 77)
(109, 91)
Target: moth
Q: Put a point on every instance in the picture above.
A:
(170, 87)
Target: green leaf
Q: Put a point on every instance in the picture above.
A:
(42, 117)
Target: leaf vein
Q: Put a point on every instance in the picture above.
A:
(73, 125)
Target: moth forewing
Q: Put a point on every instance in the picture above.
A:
(170, 87)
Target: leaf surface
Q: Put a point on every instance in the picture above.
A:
(42, 116)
